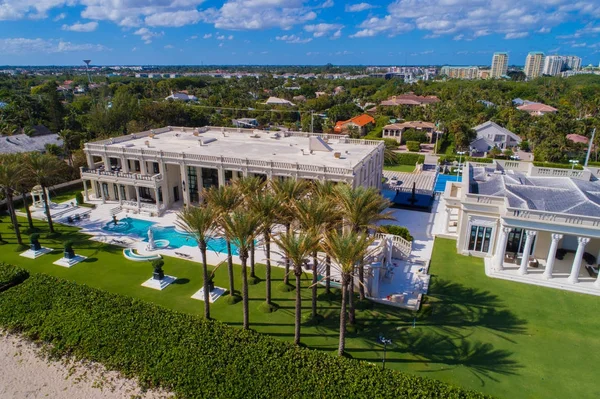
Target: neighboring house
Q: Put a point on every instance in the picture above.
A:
(537, 109)
(181, 96)
(490, 135)
(154, 170)
(360, 122)
(299, 99)
(320, 94)
(534, 225)
(24, 143)
(245, 122)
(579, 139)
(279, 101)
(410, 99)
(487, 103)
(395, 130)
(338, 90)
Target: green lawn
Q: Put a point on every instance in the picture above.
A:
(400, 168)
(506, 339)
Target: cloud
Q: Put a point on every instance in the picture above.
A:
(220, 37)
(174, 19)
(576, 45)
(327, 4)
(169, 46)
(147, 35)
(293, 39)
(387, 25)
(359, 7)
(458, 37)
(516, 35)
(260, 14)
(60, 17)
(544, 29)
(79, 27)
(207, 36)
(320, 30)
(46, 46)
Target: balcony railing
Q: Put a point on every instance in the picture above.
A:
(560, 218)
(132, 176)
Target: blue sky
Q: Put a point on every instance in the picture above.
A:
(63, 32)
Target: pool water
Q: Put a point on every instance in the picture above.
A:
(139, 228)
(440, 181)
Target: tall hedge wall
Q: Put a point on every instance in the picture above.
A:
(190, 356)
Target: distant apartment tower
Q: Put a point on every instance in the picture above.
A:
(499, 65)
(453, 72)
(534, 64)
(572, 62)
(553, 65)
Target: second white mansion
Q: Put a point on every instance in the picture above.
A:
(152, 170)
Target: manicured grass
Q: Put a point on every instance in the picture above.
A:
(400, 168)
(506, 339)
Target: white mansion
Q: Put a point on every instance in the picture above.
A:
(150, 171)
(532, 224)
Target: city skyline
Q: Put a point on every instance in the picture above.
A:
(306, 32)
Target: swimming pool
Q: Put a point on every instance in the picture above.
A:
(139, 228)
(440, 181)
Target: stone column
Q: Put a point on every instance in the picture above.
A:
(143, 167)
(157, 201)
(597, 282)
(447, 220)
(102, 193)
(124, 165)
(85, 190)
(501, 248)
(551, 256)
(90, 160)
(581, 243)
(525, 260)
(221, 176)
(137, 196)
(119, 195)
(184, 179)
(106, 161)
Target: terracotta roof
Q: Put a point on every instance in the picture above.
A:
(410, 99)
(360, 120)
(577, 138)
(537, 107)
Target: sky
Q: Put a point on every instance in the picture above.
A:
(294, 32)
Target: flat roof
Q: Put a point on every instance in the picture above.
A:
(550, 194)
(247, 143)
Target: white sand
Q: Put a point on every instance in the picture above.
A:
(26, 374)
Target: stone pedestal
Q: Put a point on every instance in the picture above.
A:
(159, 284)
(70, 262)
(215, 294)
(31, 254)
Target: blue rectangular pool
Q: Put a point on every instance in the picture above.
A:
(441, 180)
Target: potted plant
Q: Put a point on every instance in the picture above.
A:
(35, 242)
(69, 252)
(157, 265)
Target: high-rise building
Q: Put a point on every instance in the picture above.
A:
(534, 64)
(553, 64)
(455, 72)
(499, 65)
(572, 62)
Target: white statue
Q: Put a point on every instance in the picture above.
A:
(150, 240)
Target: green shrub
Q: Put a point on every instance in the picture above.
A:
(11, 275)
(479, 160)
(397, 231)
(414, 135)
(524, 146)
(556, 165)
(413, 146)
(68, 245)
(390, 144)
(79, 198)
(405, 158)
(594, 163)
(190, 356)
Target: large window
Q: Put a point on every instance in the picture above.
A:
(516, 241)
(193, 183)
(480, 238)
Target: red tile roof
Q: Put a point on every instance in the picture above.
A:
(360, 120)
(577, 138)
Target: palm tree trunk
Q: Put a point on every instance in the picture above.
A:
(351, 318)
(268, 270)
(47, 209)
(205, 281)
(252, 274)
(314, 285)
(13, 216)
(230, 268)
(298, 273)
(246, 322)
(361, 278)
(342, 342)
(328, 274)
(27, 211)
(286, 277)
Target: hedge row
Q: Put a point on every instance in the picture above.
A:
(11, 275)
(406, 158)
(397, 231)
(556, 165)
(451, 158)
(593, 163)
(414, 146)
(192, 357)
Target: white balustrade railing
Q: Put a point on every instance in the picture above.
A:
(124, 175)
(560, 218)
(403, 247)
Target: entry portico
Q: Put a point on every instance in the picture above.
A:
(540, 227)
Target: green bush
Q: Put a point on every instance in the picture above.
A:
(190, 356)
(413, 146)
(414, 135)
(390, 144)
(397, 231)
(594, 163)
(556, 165)
(79, 198)
(405, 158)
(11, 275)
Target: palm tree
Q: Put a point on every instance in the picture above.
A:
(45, 169)
(11, 174)
(297, 247)
(315, 214)
(361, 208)
(24, 186)
(200, 222)
(224, 200)
(266, 206)
(248, 186)
(289, 190)
(241, 226)
(326, 190)
(347, 249)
